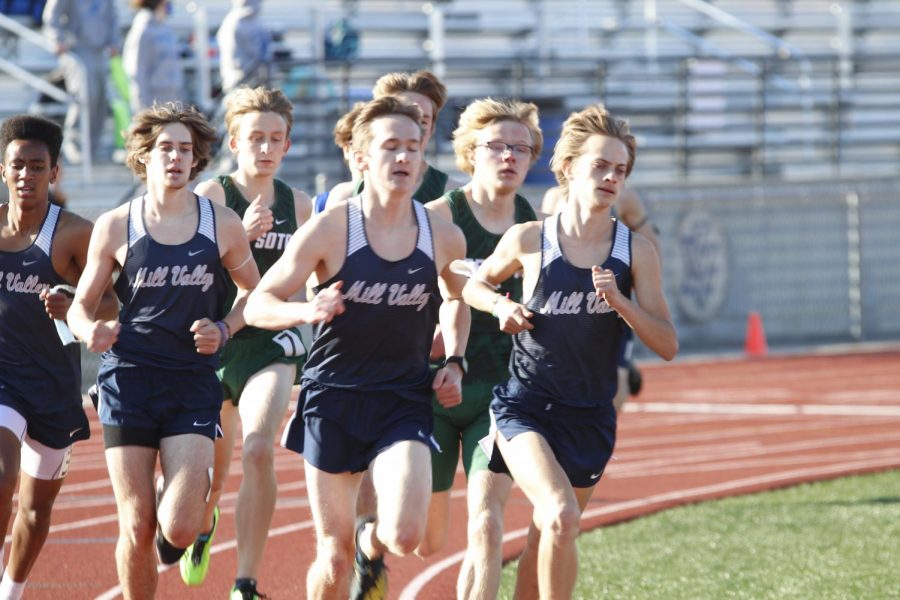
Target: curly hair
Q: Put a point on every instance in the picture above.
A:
(31, 127)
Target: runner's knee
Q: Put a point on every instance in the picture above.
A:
(561, 520)
(258, 453)
(336, 557)
(402, 537)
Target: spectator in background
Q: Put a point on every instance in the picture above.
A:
(83, 30)
(150, 56)
(244, 46)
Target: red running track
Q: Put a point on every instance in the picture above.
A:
(699, 430)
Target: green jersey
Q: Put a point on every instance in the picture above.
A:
(488, 348)
(268, 247)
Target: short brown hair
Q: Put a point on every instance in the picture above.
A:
(148, 124)
(375, 109)
(421, 82)
(343, 129)
(245, 100)
(484, 113)
(593, 120)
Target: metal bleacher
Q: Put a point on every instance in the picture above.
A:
(707, 100)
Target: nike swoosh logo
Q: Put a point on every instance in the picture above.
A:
(413, 271)
(596, 475)
(279, 222)
(196, 424)
(194, 252)
(26, 263)
(73, 432)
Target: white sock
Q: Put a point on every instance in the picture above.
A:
(9, 589)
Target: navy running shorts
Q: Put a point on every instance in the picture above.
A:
(582, 439)
(343, 430)
(147, 404)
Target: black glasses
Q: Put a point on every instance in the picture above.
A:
(501, 147)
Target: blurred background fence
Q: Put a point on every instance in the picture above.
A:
(819, 261)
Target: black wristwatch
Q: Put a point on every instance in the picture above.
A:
(459, 360)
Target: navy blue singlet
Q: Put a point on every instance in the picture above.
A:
(164, 288)
(570, 357)
(34, 364)
(383, 339)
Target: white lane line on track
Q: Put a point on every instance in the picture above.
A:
(780, 427)
(698, 454)
(755, 463)
(116, 591)
(411, 591)
(104, 519)
(846, 410)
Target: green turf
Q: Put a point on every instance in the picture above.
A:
(829, 540)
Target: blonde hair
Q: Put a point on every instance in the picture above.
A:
(421, 82)
(484, 113)
(149, 123)
(593, 120)
(361, 136)
(260, 99)
(343, 129)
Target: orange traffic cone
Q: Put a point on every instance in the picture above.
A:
(755, 343)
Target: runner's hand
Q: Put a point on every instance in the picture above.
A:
(327, 304)
(207, 337)
(512, 316)
(447, 385)
(257, 219)
(56, 304)
(103, 335)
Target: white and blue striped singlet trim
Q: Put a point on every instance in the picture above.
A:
(551, 250)
(136, 229)
(45, 237)
(356, 229)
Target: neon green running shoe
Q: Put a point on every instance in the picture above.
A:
(194, 562)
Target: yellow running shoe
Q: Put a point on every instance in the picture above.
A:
(194, 562)
(369, 575)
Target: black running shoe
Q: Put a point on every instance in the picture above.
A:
(246, 591)
(94, 394)
(369, 576)
(635, 379)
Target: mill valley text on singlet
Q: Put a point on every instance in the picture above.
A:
(383, 338)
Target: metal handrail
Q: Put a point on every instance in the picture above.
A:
(26, 34)
(781, 47)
